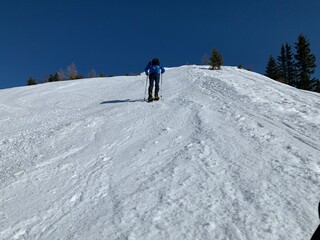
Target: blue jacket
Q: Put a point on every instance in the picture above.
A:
(154, 69)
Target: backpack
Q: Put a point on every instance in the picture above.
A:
(155, 61)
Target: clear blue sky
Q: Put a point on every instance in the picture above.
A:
(115, 37)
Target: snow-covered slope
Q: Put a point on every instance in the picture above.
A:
(225, 154)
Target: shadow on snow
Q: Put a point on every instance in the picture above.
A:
(122, 101)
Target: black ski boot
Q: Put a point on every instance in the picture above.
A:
(156, 97)
(150, 98)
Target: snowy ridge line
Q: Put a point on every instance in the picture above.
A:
(226, 154)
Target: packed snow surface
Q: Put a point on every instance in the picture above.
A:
(226, 154)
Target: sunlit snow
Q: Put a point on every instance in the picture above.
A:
(226, 154)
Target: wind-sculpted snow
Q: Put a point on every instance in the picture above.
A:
(226, 154)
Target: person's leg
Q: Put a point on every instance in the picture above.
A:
(151, 82)
(157, 87)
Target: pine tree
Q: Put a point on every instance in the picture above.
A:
(317, 88)
(286, 65)
(56, 77)
(216, 60)
(50, 78)
(306, 63)
(291, 71)
(31, 81)
(272, 70)
(282, 65)
(53, 77)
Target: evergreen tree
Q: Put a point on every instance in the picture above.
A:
(272, 69)
(216, 59)
(286, 67)
(53, 77)
(306, 63)
(56, 77)
(31, 81)
(290, 66)
(282, 65)
(317, 89)
(50, 78)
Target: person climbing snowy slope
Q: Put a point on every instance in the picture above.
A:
(154, 70)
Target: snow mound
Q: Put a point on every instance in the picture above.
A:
(226, 154)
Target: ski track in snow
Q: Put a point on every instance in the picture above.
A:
(227, 155)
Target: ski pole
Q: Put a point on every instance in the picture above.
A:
(161, 85)
(145, 90)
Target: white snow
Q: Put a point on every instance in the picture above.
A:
(226, 154)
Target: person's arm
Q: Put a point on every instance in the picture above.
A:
(162, 70)
(146, 69)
